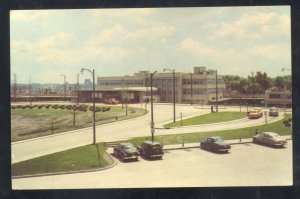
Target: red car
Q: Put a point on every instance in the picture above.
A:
(111, 101)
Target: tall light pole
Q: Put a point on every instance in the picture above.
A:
(174, 111)
(15, 87)
(30, 100)
(191, 88)
(77, 88)
(151, 102)
(64, 86)
(122, 93)
(93, 95)
(216, 91)
(252, 89)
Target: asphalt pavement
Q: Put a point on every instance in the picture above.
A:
(28, 149)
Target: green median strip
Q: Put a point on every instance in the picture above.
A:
(81, 158)
(86, 157)
(208, 119)
(232, 134)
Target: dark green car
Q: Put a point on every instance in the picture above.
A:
(126, 151)
(151, 149)
(215, 144)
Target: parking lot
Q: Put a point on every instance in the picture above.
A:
(245, 165)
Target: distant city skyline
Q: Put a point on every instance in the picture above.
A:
(234, 40)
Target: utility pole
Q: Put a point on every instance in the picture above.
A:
(64, 86)
(151, 102)
(15, 87)
(191, 88)
(30, 100)
(216, 91)
(94, 108)
(77, 88)
(252, 89)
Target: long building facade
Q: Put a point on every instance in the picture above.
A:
(197, 87)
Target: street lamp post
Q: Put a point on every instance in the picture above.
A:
(93, 95)
(122, 93)
(191, 88)
(252, 89)
(77, 88)
(216, 91)
(15, 87)
(30, 88)
(151, 102)
(174, 110)
(64, 86)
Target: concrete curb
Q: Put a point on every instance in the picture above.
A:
(114, 163)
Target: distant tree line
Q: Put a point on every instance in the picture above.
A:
(260, 82)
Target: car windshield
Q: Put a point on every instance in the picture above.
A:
(128, 146)
(156, 147)
(275, 135)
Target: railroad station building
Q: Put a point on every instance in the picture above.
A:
(197, 87)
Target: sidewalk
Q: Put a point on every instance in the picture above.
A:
(197, 145)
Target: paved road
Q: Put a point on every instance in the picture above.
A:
(29, 149)
(245, 165)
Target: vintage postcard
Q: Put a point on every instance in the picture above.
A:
(151, 97)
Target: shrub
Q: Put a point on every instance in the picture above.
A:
(40, 106)
(47, 106)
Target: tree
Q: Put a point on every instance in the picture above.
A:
(279, 82)
(263, 82)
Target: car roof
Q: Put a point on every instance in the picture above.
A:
(126, 144)
(270, 133)
(151, 143)
(216, 137)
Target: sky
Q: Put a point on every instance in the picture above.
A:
(114, 42)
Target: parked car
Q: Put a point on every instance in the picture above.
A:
(273, 111)
(216, 144)
(255, 113)
(126, 151)
(111, 101)
(151, 149)
(269, 138)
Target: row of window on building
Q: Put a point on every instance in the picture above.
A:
(121, 83)
(202, 91)
(202, 81)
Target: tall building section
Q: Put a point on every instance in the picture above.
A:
(197, 87)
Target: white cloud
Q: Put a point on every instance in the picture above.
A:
(126, 12)
(160, 33)
(195, 47)
(117, 32)
(255, 26)
(29, 15)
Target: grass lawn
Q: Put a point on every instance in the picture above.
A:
(82, 158)
(87, 157)
(30, 123)
(208, 119)
(277, 127)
